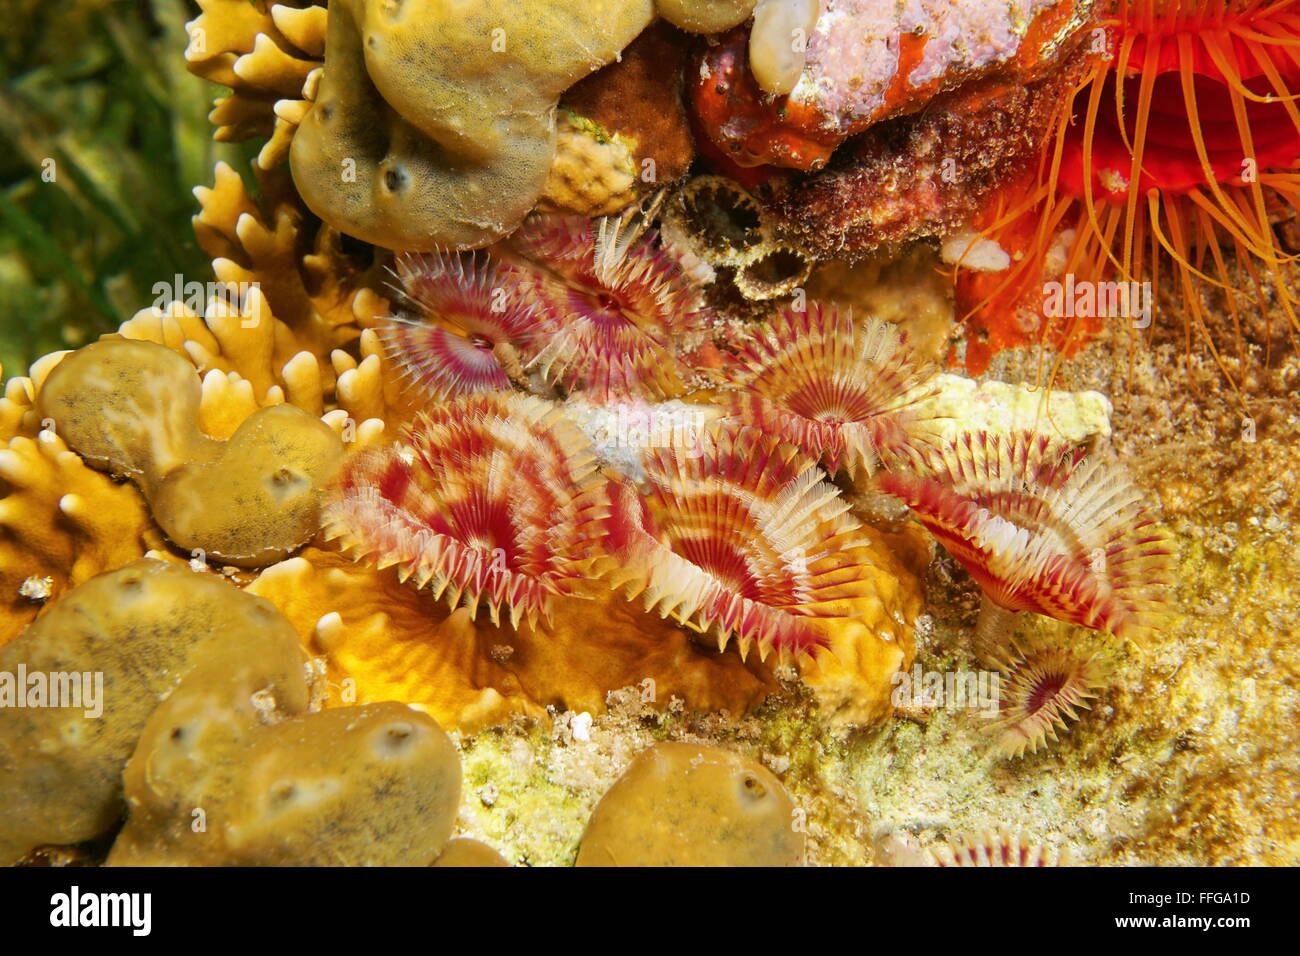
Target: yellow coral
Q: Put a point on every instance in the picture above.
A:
(266, 53)
(60, 519)
(132, 408)
(381, 639)
(592, 175)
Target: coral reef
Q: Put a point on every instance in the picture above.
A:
(623, 131)
(685, 805)
(644, 508)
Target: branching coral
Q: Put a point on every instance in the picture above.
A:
(1042, 526)
(266, 53)
(61, 520)
(842, 391)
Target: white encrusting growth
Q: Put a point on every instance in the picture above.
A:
(778, 43)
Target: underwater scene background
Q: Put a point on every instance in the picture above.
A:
(649, 432)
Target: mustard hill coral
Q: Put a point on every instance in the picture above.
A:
(131, 407)
(623, 131)
(593, 174)
(141, 627)
(682, 804)
(1042, 526)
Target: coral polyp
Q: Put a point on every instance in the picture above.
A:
(1044, 685)
(614, 308)
(1042, 526)
(740, 536)
(845, 392)
(469, 330)
(487, 499)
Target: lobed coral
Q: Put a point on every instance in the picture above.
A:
(131, 407)
(62, 781)
(685, 805)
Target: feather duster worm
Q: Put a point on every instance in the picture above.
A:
(1044, 685)
(613, 307)
(1042, 527)
(842, 392)
(489, 499)
(473, 324)
(998, 848)
(742, 537)
(1180, 148)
